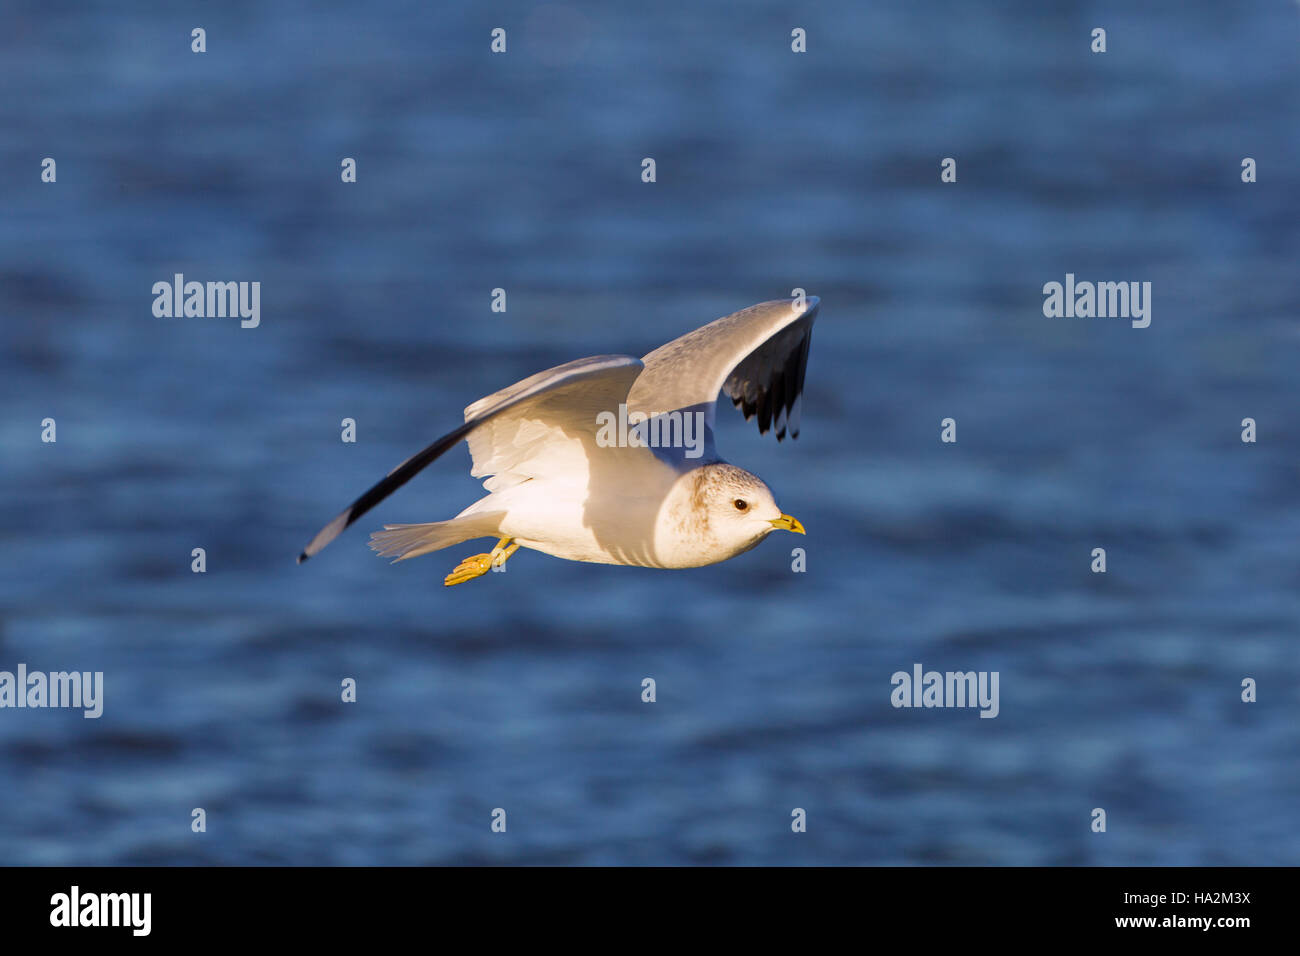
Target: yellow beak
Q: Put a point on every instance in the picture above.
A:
(788, 523)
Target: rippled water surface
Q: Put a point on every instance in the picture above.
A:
(775, 171)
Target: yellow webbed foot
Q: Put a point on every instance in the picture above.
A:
(472, 567)
(479, 564)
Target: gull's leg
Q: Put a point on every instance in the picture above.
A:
(479, 564)
(501, 555)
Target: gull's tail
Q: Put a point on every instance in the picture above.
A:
(402, 541)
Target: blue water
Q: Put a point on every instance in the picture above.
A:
(775, 171)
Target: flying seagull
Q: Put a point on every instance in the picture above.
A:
(564, 479)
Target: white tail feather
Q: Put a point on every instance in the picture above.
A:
(402, 541)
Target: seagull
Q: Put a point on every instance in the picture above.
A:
(611, 459)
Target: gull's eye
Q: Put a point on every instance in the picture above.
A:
(741, 504)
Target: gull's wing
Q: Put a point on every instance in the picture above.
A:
(550, 434)
(533, 427)
(757, 356)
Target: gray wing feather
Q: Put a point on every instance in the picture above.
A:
(758, 357)
(619, 369)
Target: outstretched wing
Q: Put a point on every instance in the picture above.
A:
(757, 356)
(533, 427)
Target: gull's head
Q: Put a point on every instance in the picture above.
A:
(722, 510)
